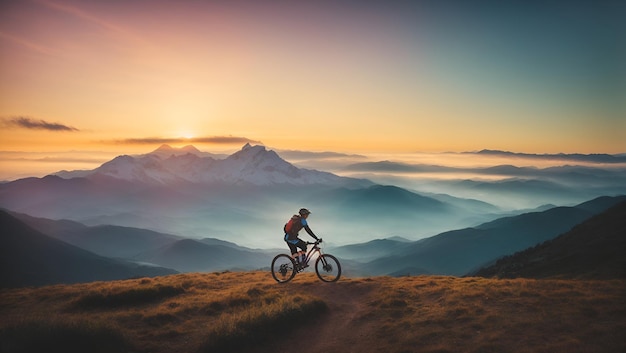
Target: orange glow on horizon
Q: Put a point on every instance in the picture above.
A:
(127, 77)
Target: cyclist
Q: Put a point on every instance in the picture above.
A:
(298, 222)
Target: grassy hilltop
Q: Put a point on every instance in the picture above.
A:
(249, 312)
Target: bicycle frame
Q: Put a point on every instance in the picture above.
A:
(312, 251)
(284, 267)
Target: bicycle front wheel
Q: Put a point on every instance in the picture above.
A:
(327, 268)
(283, 268)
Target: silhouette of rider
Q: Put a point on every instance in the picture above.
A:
(299, 221)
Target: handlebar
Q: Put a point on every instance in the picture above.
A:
(315, 242)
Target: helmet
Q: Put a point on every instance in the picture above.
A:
(304, 211)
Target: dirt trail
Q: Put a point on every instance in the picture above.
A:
(344, 327)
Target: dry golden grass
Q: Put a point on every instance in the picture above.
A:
(249, 312)
(447, 314)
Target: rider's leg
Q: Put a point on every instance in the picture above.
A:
(294, 250)
(302, 246)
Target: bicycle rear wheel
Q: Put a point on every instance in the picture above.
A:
(328, 268)
(283, 268)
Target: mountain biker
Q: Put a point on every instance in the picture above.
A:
(291, 237)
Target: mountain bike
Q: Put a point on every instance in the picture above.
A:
(327, 267)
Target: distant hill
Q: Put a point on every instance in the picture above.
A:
(31, 258)
(189, 255)
(455, 252)
(461, 251)
(171, 251)
(385, 210)
(104, 240)
(595, 249)
(371, 250)
(574, 157)
(50, 227)
(116, 241)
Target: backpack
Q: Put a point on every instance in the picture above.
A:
(290, 225)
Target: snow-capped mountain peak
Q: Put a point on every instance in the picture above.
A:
(248, 151)
(251, 165)
(147, 169)
(258, 152)
(165, 151)
(165, 148)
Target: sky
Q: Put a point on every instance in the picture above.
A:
(83, 80)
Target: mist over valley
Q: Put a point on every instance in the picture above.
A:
(193, 211)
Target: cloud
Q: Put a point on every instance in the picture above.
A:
(27, 44)
(84, 15)
(90, 17)
(292, 154)
(28, 123)
(224, 139)
(210, 139)
(593, 158)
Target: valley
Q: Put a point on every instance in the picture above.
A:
(183, 210)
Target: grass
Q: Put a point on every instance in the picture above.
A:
(249, 312)
(127, 297)
(260, 322)
(190, 312)
(448, 314)
(69, 336)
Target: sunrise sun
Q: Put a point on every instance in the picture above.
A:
(187, 135)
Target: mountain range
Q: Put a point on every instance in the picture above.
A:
(244, 198)
(104, 240)
(146, 246)
(507, 186)
(579, 157)
(594, 249)
(31, 258)
(186, 210)
(252, 165)
(461, 251)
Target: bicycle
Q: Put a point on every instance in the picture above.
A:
(327, 267)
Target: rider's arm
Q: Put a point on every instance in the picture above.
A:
(308, 229)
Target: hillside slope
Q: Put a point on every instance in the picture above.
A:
(30, 258)
(461, 251)
(104, 240)
(250, 313)
(189, 255)
(594, 249)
